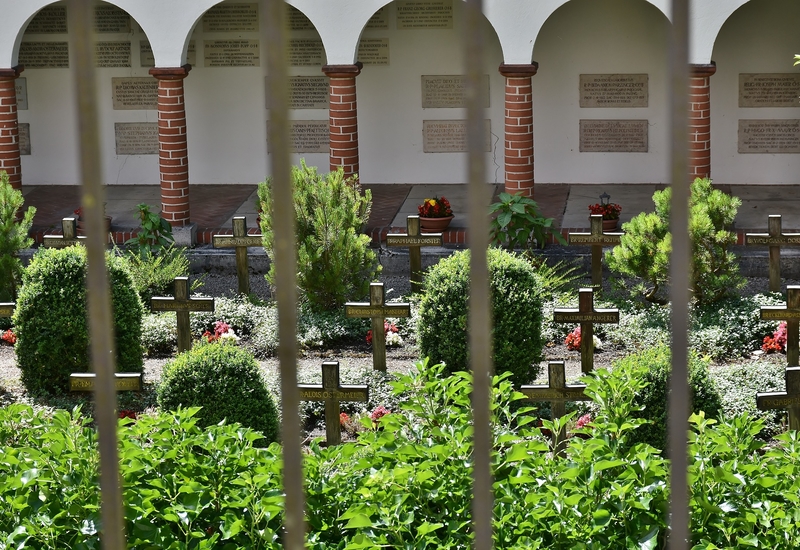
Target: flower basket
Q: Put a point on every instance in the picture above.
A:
(435, 215)
(434, 225)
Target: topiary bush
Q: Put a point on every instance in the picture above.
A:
(50, 319)
(516, 314)
(225, 380)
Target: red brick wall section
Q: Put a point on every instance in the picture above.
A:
(519, 128)
(9, 127)
(343, 120)
(700, 120)
(173, 159)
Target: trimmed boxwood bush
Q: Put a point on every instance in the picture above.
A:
(50, 319)
(516, 312)
(223, 379)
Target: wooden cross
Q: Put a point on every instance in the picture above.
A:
(597, 239)
(414, 241)
(332, 393)
(67, 238)
(775, 238)
(791, 314)
(123, 381)
(240, 241)
(7, 309)
(557, 392)
(586, 315)
(789, 399)
(181, 304)
(377, 310)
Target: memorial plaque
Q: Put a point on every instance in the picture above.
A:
(380, 20)
(769, 90)
(373, 51)
(413, 14)
(21, 86)
(147, 59)
(450, 136)
(134, 93)
(613, 90)
(613, 136)
(112, 54)
(449, 91)
(44, 55)
(298, 20)
(136, 138)
(232, 53)
(769, 136)
(123, 381)
(308, 136)
(24, 138)
(306, 52)
(231, 18)
(308, 92)
(49, 20)
(108, 18)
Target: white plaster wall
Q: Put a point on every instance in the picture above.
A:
(591, 37)
(761, 37)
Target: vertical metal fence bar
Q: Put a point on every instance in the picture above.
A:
(81, 24)
(680, 266)
(479, 306)
(285, 273)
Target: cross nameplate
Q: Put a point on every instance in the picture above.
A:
(414, 241)
(791, 314)
(181, 304)
(377, 310)
(597, 239)
(240, 241)
(123, 381)
(586, 316)
(332, 393)
(775, 238)
(789, 399)
(67, 238)
(7, 309)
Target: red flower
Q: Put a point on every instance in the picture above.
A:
(573, 339)
(776, 342)
(343, 419)
(435, 208)
(127, 414)
(379, 412)
(584, 421)
(9, 337)
(609, 211)
(369, 337)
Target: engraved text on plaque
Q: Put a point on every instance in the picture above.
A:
(420, 14)
(136, 138)
(613, 136)
(21, 86)
(134, 93)
(308, 92)
(613, 90)
(24, 138)
(108, 18)
(232, 53)
(450, 136)
(306, 52)
(769, 90)
(231, 18)
(449, 91)
(44, 55)
(308, 136)
(374, 51)
(49, 20)
(769, 136)
(112, 54)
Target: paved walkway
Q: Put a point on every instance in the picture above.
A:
(214, 206)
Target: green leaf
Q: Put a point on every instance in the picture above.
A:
(358, 521)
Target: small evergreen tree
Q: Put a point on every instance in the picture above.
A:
(13, 237)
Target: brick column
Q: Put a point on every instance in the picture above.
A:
(519, 128)
(9, 126)
(700, 120)
(173, 160)
(343, 117)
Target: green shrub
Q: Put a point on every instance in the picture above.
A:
(51, 324)
(223, 379)
(516, 314)
(154, 272)
(159, 333)
(518, 224)
(240, 314)
(13, 237)
(334, 261)
(154, 235)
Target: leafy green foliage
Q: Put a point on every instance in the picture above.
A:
(519, 224)
(154, 272)
(51, 323)
(334, 261)
(159, 333)
(516, 314)
(154, 235)
(13, 237)
(223, 379)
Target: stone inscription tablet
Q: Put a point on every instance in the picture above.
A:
(413, 14)
(449, 91)
(769, 90)
(374, 51)
(308, 92)
(147, 59)
(450, 136)
(231, 18)
(232, 53)
(134, 93)
(613, 90)
(108, 18)
(24, 138)
(380, 20)
(44, 55)
(136, 138)
(307, 136)
(21, 86)
(49, 20)
(613, 136)
(112, 54)
(769, 136)
(306, 52)
(298, 21)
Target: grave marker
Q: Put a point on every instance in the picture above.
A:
(791, 314)
(414, 241)
(240, 241)
(586, 315)
(7, 309)
(332, 393)
(775, 238)
(377, 310)
(789, 399)
(181, 304)
(597, 239)
(123, 381)
(67, 238)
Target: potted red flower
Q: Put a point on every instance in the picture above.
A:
(435, 214)
(609, 210)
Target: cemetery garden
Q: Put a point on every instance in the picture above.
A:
(579, 396)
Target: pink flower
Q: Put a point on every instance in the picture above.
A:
(379, 412)
(584, 421)
(573, 339)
